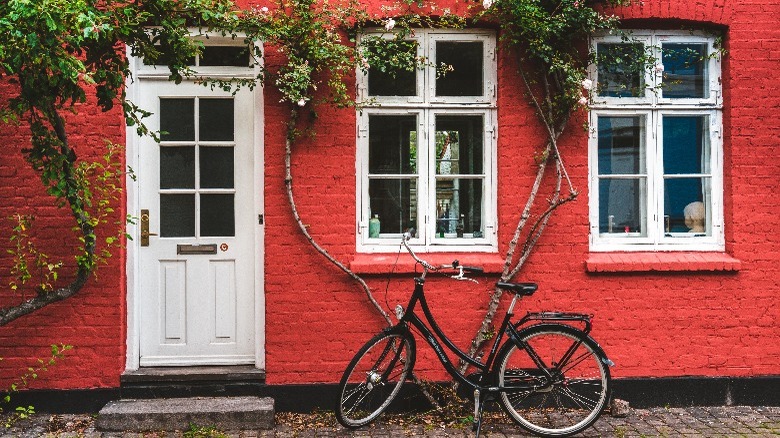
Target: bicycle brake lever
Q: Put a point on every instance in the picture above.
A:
(459, 276)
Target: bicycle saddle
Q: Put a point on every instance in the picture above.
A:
(525, 289)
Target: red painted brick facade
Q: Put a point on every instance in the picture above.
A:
(657, 315)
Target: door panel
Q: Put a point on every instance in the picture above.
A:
(197, 274)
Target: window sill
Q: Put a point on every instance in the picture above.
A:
(661, 262)
(386, 263)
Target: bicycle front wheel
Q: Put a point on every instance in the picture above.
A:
(566, 399)
(374, 377)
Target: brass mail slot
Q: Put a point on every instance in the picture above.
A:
(196, 249)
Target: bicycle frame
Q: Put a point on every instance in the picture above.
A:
(487, 383)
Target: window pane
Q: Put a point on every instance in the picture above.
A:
(684, 206)
(217, 215)
(686, 144)
(464, 68)
(177, 167)
(235, 56)
(392, 144)
(621, 145)
(685, 70)
(621, 71)
(402, 82)
(216, 167)
(216, 119)
(394, 201)
(177, 119)
(165, 58)
(177, 215)
(459, 145)
(622, 207)
(459, 208)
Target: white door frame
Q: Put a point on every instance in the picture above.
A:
(146, 73)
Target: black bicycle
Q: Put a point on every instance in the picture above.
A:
(549, 375)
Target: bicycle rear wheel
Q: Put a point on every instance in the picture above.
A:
(572, 399)
(374, 377)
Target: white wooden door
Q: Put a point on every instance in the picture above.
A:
(196, 196)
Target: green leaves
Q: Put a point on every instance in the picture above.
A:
(22, 412)
(550, 37)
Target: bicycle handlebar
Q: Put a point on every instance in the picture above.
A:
(427, 266)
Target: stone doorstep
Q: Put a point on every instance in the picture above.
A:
(168, 414)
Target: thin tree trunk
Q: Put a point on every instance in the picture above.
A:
(288, 182)
(554, 130)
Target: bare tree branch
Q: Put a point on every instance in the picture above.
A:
(288, 182)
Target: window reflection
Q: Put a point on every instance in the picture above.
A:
(622, 179)
(620, 70)
(459, 152)
(685, 71)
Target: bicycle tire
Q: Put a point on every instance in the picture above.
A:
(374, 377)
(578, 393)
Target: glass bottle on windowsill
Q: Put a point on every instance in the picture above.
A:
(373, 226)
(459, 228)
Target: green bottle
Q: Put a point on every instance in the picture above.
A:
(373, 226)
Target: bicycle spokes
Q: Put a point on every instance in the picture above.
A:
(556, 385)
(373, 379)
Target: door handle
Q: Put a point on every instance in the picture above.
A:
(145, 228)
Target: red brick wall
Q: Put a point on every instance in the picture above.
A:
(679, 323)
(94, 321)
(651, 324)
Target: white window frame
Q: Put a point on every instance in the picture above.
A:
(426, 106)
(218, 71)
(654, 107)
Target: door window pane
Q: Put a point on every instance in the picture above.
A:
(684, 206)
(459, 208)
(622, 207)
(401, 82)
(216, 167)
(464, 63)
(620, 70)
(177, 167)
(621, 145)
(392, 144)
(216, 119)
(394, 202)
(686, 144)
(217, 215)
(177, 215)
(459, 145)
(685, 70)
(177, 119)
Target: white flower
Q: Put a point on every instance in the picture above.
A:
(390, 24)
(587, 84)
(264, 9)
(302, 102)
(487, 4)
(659, 68)
(583, 100)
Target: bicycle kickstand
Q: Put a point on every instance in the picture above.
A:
(479, 405)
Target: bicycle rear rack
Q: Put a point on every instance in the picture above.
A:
(557, 316)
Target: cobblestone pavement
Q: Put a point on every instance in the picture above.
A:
(733, 421)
